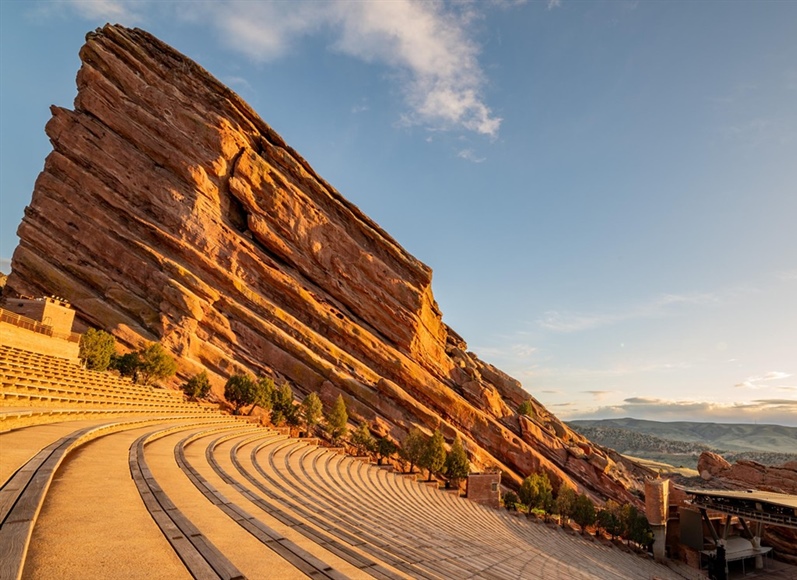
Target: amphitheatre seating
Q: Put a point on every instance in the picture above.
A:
(207, 495)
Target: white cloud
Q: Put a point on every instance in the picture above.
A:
(5, 265)
(554, 4)
(470, 155)
(427, 45)
(754, 382)
(109, 10)
(567, 322)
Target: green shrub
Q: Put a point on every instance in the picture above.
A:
(197, 387)
(311, 411)
(96, 349)
(584, 512)
(536, 492)
(526, 408)
(384, 449)
(433, 458)
(240, 390)
(511, 500)
(154, 364)
(337, 420)
(362, 440)
(413, 448)
(457, 466)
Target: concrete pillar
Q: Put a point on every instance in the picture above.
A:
(759, 560)
(659, 542)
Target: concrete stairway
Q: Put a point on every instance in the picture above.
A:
(113, 480)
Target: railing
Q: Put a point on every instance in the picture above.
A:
(35, 326)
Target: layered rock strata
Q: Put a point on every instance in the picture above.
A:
(168, 210)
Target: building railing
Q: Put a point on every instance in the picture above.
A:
(30, 324)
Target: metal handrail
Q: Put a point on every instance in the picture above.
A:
(35, 326)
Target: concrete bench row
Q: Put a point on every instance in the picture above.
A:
(88, 379)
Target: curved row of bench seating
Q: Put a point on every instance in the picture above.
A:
(235, 500)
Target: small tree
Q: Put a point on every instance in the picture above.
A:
(197, 387)
(457, 466)
(609, 519)
(282, 408)
(413, 448)
(337, 420)
(565, 502)
(240, 391)
(263, 394)
(96, 349)
(362, 440)
(526, 408)
(384, 449)
(511, 500)
(536, 492)
(433, 457)
(311, 411)
(127, 364)
(155, 364)
(584, 512)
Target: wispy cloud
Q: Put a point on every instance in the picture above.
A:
(428, 46)
(554, 4)
(5, 265)
(470, 155)
(599, 395)
(754, 382)
(110, 10)
(664, 305)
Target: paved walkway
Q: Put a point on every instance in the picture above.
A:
(93, 523)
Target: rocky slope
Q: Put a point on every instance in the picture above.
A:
(168, 210)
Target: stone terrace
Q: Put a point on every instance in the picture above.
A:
(105, 479)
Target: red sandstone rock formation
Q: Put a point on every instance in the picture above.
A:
(168, 210)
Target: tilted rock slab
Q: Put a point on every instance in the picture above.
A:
(168, 210)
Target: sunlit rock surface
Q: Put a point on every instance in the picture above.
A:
(168, 210)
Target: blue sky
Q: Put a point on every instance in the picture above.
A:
(606, 191)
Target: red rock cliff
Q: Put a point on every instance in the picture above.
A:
(168, 210)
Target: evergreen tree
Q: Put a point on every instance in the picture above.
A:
(384, 449)
(413, 447)
(362, 440)
(282, 408)
(609, 519)
(154, 364)
(536, 492)
(433, 457)
(584, 512)
(197, 387)
(240, 390)
(263, 394)
(565, 502)
(96, 349)
(311, 411)
(457, 466)
(337, 420)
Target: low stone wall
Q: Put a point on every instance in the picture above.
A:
(24, 339)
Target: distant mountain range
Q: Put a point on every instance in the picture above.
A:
(681, 443)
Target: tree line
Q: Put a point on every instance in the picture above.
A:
(535, 496)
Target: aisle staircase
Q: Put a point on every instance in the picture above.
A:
(102, 478)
